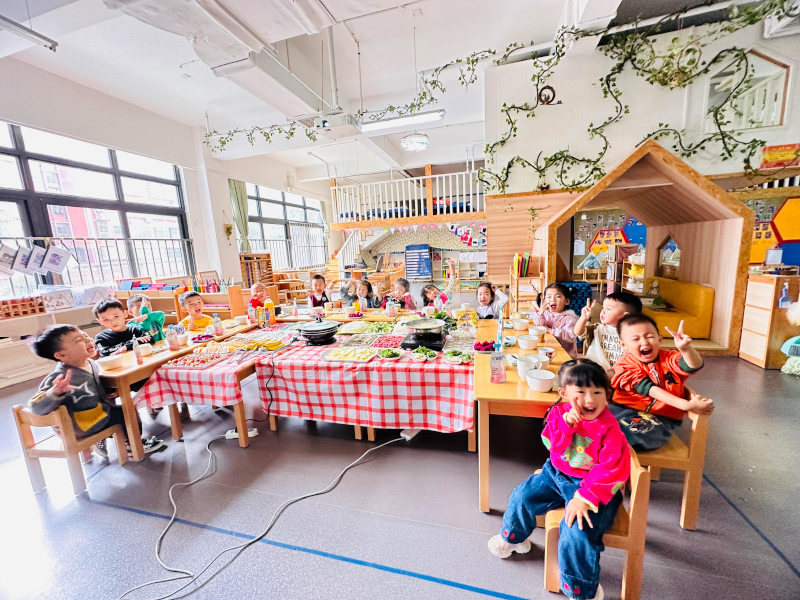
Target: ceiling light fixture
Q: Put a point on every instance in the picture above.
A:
(415, 142)
(28, 34)
(415, 119)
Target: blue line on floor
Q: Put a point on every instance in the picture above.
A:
(347, 559)
(783, 557)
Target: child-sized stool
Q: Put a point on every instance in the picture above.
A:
(71, 448)
(627, 533)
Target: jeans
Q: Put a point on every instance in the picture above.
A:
(578, 550)
(643, 430)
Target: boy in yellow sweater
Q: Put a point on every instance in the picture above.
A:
(191, 302)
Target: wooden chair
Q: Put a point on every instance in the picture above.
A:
(690, 459)
(71, 448)
(627, 533)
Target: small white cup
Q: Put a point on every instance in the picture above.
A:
(465, 306)
(210, 329)
(429, 310)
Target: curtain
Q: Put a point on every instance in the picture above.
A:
(238, 193)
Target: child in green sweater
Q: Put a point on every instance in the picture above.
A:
(145, 317)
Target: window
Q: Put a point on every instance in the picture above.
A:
(295, 214)
(5, 135)
(41, 142)
(286, 225)
(149, 192)
(134, 163)
(108, 208)
(10, 221)
(9, 173)
(75, 221)
(69, 181)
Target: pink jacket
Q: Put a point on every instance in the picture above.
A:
(595, 451)
(563, 327)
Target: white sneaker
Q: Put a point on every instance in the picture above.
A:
(503, 549)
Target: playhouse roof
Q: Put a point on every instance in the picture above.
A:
(657, 188)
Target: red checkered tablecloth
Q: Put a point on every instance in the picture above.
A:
(215, 385)
(384, 394)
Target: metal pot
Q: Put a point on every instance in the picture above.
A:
(425, 326)
(318, 331)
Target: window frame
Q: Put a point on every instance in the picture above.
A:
(33, 204)
(259, 200)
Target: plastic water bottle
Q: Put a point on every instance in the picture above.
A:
(251, 314)
(218, 330)
(172, 339)
(295, 312)
(137, 352)
(785, 301)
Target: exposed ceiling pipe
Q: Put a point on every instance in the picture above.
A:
(529, 52)
(334, 82)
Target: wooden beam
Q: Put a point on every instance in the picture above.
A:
(737, 181)
(446, 218)
(761, 193)
(429, 188)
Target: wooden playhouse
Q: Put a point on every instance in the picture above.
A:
(712, 229)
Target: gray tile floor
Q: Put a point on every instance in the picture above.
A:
(405, 524)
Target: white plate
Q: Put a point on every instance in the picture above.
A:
(351, 360)
(392, 359)
(418, 357)
(453, 361)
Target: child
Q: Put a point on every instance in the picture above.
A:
(601, 339)
(359, 289)
(145, 317)
(554, 315)
(118, 335)
(430, 292)
(649, 396)
(258, 295)
(400, 293)
(490, 301)
(191, 302)
(75, 383)
(588, 466)
(318, 296)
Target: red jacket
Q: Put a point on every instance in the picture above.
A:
(633, 379)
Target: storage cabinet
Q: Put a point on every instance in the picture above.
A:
(765, 326)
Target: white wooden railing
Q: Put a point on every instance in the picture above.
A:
(759, 106)
(349, 252)
(453, 194)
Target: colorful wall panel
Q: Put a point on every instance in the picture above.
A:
(777, 224)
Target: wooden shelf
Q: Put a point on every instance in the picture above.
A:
(514, 293)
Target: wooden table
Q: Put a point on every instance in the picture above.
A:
(512, 398)
(130, 373)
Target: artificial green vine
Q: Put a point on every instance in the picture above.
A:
(678, 66)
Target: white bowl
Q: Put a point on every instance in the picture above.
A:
(147, 349)
(528, 342)
(241, 320)
(418, 357)
(183, 339)
(548, 352)
(108, 363)
(540, 380)
(520, 324)
(526, 363)
(537, 330)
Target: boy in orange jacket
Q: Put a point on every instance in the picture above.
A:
(650, 399)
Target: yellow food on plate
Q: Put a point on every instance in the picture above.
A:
(356, 354)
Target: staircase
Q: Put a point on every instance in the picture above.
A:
(332, 268)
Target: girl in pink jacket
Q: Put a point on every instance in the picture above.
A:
(588, 466)
(559, 320)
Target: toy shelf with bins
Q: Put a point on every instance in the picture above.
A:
(518, 290)
(636, 280)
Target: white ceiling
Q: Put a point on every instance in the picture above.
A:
(159, 71)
